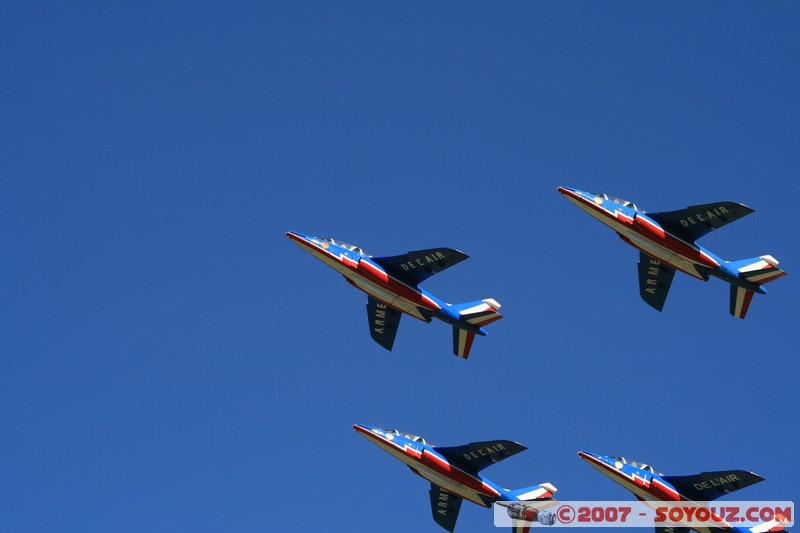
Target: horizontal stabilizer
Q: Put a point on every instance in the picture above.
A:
(479, 313)
(476, 456)
(655, 279)
(709, 486)
(537, 492)
(416, 267)
(383, 322)
(445, 507)
(759, 270)
(697, 220)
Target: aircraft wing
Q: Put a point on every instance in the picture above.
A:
(476, 456)
(383, 322)
(655, 279)
(709, 486)
(445, 507)
(416, 267)
(697, 220)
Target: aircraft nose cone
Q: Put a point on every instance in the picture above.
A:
(362, 429)
(297, 238)
(588, 456)
(571, 194)
(576, 196)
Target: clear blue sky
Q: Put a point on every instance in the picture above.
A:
(171, 362)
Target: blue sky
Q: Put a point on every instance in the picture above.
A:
(171, 362)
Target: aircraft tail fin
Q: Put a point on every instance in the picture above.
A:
(462, 342)
(478, 314)
(536, 492)
(740, 301)
(758, 270)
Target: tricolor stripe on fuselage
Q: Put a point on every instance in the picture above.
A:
(372, 279)
(649, 237)
(762, 271)
(663, 492)
(437, 470)
(659, 490)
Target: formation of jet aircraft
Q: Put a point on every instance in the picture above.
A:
(648, 485)
(666, 243)
(453, 473)
(392, 287)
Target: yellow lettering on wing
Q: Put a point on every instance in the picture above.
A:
(482, 452)
(709, 214)
(444, 499)
(380, 316)
(703, 485)
(422, 261)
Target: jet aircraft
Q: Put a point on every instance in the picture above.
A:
(453, 472)
(391, 284)
(666, 243)
(648, 485)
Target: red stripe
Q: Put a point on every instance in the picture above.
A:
(652, 227)
(668, 241)
(489, 320)
(769, 278)
(664, 489)
(374, 271)
(440, 465)
(676, 267)
(748, 296)
(467, 344)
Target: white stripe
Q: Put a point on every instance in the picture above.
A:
(758, 265)
(740, 292)
(472, 310)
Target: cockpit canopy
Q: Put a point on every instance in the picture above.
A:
(346, 246)
(619, 201)
(409, 436)
(639, 465)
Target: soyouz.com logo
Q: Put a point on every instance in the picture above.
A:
(771, 515)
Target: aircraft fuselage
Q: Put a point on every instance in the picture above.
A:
(646, 486)
(426, 463)
(371, 278)
(645, 234)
